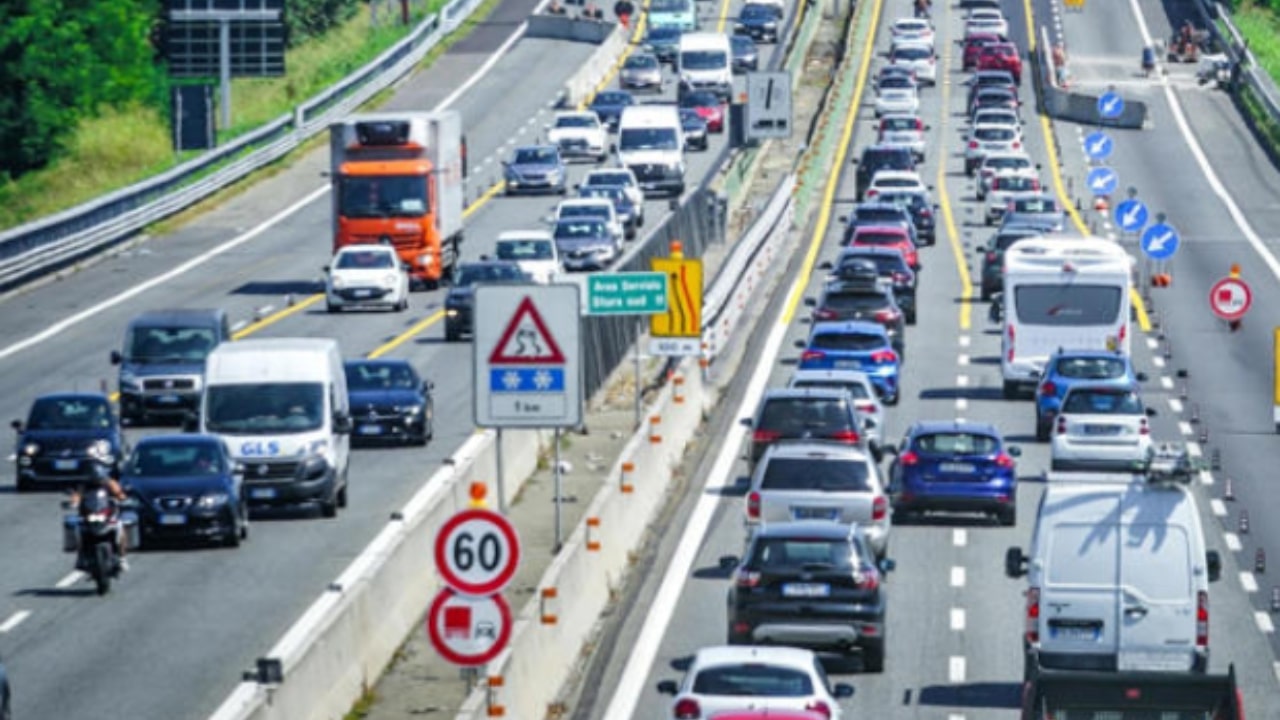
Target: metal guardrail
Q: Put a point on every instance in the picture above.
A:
(49, 243)
(1233, 44)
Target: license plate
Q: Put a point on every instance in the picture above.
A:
(370, 429)
(167, 399)
(958, 468)
(1101, 430)
(66, 464)
(262, 493)
(173, 519)
(1075, 632)
(1153, 661)
(808, 590)
(805, 513)
(363, 293)
(849, 364)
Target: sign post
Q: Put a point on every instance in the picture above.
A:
(679, 330)
(628, 293)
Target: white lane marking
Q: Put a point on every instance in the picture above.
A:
(1247, 582)
(961, 420)
(1206, 477)
(962, 359)
(959, 537)
(1166, 382)
(1184, 427)
(1153, 343)
(964, 341)
(957, 619)
(962, 403)
(484, 69)
(239, 325)
(1264, 622)
(266, 310)
(962, 380)
(957, 576)
(1158, 361)
(14, 621)
(200, 261)
(1233, 541)
(72, 578)
(1219, 508)
(955, 716)
(1175, 405)
(955, 670)
(1275, 669)
(1193, 449)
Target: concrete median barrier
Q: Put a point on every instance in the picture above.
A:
(583, 85)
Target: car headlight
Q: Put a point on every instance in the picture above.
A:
(390, 281)
(409, 410)
(426, 260)
(212, 500)
(31, 449)
(313, 467)
(771, 26)
(338, 281)
(451, 312)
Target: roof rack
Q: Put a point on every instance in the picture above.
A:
(1170, 463)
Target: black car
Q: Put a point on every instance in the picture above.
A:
(759, 21)
(5, 700)
(608, 106)
(389, 402)
(881, 157)
(880, 214)
(923, 212)
(695, 129)
(891, 266)
(812, 414)
(664, 43)
(858, 293)
(993, 256)
(459, 303)
(63, 434)
(188, 487)
(746, 56)
(162, 362)
(813, 584)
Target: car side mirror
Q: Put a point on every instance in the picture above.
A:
(825, 265)
(1141, 377)
(1151, 412)
(116, 357)
(887, 565)
(800, 344)
(928, 127)
(428, 386)
(342, 423)
(1014, 451)
(844, 219)
(668, 687)
(810, 302)
(842, 690)
(1213, 562)
(674, 204)
(1015, 563)
(16, 425)
(325, 269)
(929, 186)
(1182, 374)
(613, 147)
(746, 421)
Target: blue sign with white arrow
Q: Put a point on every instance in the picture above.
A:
(1098, 145)
(1110, 105)
(1103, 181)
(1131, 215)
(1160, 241)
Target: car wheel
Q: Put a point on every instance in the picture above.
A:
(329, 509)
(1009, 390)
(984, 294)
(903, 516)
(450, 334)
(402, 305)
(873, 657)
(891, 400)
(331, 308)
(989, 221)
(23, 485)
(911, 318)
(1008, 517)
(233, 537)
(244, 520)
(341, 499)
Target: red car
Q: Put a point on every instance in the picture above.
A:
(887, 236)
(1000, 56)
(974, 45)
(708, 107)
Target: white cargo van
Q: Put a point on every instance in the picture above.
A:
(704, 61)
(1118, 576)
(1061, 292)
(281, 406)
(651, 146)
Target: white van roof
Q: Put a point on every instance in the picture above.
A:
(650, 116)
(272, 359)
(1055, 253)
(703, 41)
(526, 235)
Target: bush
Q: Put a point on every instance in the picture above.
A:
(312, 18)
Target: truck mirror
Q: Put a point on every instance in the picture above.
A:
(1213, 561)
(1015, 451)
(325, 269)
(801, 344)
(1015, 563)
(16, 425)
(116, 357)
(1141, 377)
(341, 423)
(668, 687)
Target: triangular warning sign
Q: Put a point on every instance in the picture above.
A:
(526, 340)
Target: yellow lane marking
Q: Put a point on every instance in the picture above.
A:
(276, 317)
(724, 15)
(486, 197)
(637, 34)
(1135, 298)
(833, 179)
(403, 337)
(944, 197)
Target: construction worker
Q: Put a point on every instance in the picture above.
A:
(624, 9)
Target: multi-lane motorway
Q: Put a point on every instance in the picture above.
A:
(173, 638)
(955, 621)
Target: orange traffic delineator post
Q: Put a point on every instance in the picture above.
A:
(492, 707)
(546, 597)
(677, 393)
(1161, 280)
(1101, 205)
(593, 545)
(654, 436)
(625, 482)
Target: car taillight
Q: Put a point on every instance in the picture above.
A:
(879, 508)
(866, 407)
(913, 259)
(926, 212)
(845, 436)
(973, 144)
(909, 458)
(1048, 389)
(1011, 343)
(765, 436)
(824, 314)
(872, 192)
(1143, 427)
(1033, 615)
(1016, 144)
(1062, 425)
(819, 707)
(886, 316)
(884, 356)
(900, 277)
(1202, 619)
(812, 355)
(919, 124)
(867, 578)
(1003, 460)
(749, 579)
(1035, 184)
(753, 505)
(1123, 331)
(687, 709)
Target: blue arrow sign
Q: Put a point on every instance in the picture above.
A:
(1160, 241)
(1103, 181)
(1098, 145)
(1110, 105)
(1131, 215)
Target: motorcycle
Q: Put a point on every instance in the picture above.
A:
(93, 533)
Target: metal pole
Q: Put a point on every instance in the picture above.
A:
(224, 70)
(639, 336)
(502, 482)
(556, 474)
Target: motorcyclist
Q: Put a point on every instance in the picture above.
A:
(104, 476)
(922, 8)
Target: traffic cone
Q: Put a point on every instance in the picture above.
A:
(1101, 205)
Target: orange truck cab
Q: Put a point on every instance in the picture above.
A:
(399, 178)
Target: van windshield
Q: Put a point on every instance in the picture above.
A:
(383, 197)
(169, 344)
(704, 60)
(1068, 305)
(669, 6)
(264, 408)
(525, 250)
(632, 139)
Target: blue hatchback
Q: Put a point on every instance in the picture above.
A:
(1068, 368)
(954, 466)
(854, 345)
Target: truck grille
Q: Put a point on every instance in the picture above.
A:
(265, 471)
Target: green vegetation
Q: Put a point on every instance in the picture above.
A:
(1260, 26)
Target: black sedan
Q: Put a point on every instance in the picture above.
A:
(459, 303)
(664, 42)
(695, 129)
(608, 106)
(188, 487)
(746, 56)
(389, 402)
(63, 434)
(759, 21)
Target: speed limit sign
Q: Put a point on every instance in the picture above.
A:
(477, 552)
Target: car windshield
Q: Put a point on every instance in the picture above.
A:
(878, 214)
(1017, 184)
(669, 6)
(525, 250)
(900, 123)
(488, 273)
(608, 178)
(758, 11)
(632, 139)
(912, 201)
(998, 50)
(155, 344)
(1006, 163)
(877, 238)
(912, 53)
(383, 197)
(1086, 401)
(1068, 305)
(787, 473)
(702, 60)
(689, 118)
(535, 156)
(778, 553)
(795, 416)
(896, 82)
(580, 229)
(606, 99)
(365, 260)
(663, 34)
(584, 211)
(381, 376)
(848, 341)
(855, 301)
(874, 160)
(177, 459)
(1035, 205)
(856, 389)
(699, 99)
(264, 408)
(885, 263)
(896, 182)
(69, 414)
(956, 443)
(576, 121)
(742, 44)
(1005, 239)
(752, 680)
(1091, 368)
(641, 62)
(615, 195)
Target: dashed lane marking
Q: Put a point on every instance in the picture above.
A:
(14, 621)
(1152, 343)
(1175, 405)
(1219, 508)
(962, 359)
(959, 537)
(964, 341)
(1264, 622)
(962, 380)
(1184, 427)
(72, 578)
(1206, 477)
(955, 668)
(1193, 449)
(1233, 541)
(962, 404)
(1166, 382)
(1158, 361)
(957, 576)
(1247, 582)
(957, 619)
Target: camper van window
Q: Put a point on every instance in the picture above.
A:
(264, 409)
(662, 138)
(669, 6)
(384, 197)
(1068, 305)
(703, 60)
(169, 345)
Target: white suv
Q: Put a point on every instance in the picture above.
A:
(579, 135)
(918, 56)
(984, 139)
(1101, 426)
(366, 276)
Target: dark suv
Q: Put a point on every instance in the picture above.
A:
(162, 363)
(891, 265)
(881, 157)
(858, 293)
(804, 414)
(813, 584)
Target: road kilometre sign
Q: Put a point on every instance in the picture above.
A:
(1230, 298)
(469, 631)
(477, 552)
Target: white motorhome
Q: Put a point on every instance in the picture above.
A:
(1061, 292)
(1117, 576)
(651, 146)
(281, 406)
(704, 61)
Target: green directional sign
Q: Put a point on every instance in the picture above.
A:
(628, 293)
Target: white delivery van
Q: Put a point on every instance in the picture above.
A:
(1117, 576)
(281, 406)
(651, 146)
(704, 61)
(1061, 292)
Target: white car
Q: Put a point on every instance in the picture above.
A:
(594, 208)
(1006, 187)
(735, 677)
(895, 181)
(997, 116)
(366, 276)
(533, 250)
(896, 100)
(912, 30)
(1003, 163)
(579, 135)
(1101, 426)
(985, 139)
(990, 22)
(620, 177)
(918, 56)
(865, 400)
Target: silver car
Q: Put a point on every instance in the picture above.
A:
(899, 100)
(904, 131)
(994, 164)
(856, 383)
(1038, 209)
(641, 71)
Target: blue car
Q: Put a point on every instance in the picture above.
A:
(954, 466)
(1068, 368)
(854, 345)
(65, 433)
(189, 488)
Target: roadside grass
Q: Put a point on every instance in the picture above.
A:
(119, 147)
(1261, 29)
